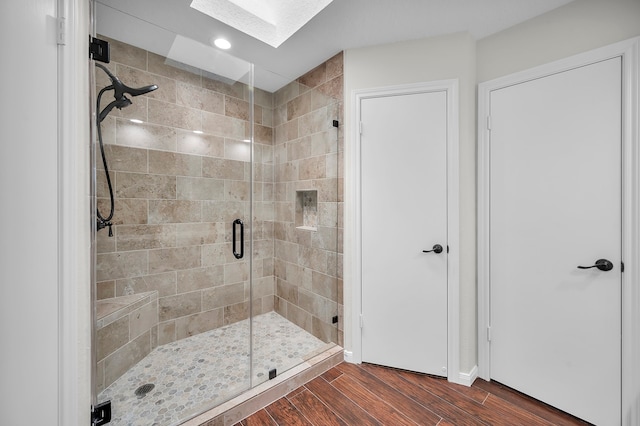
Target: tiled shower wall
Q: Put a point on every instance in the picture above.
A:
(177, 194)
(308, 158)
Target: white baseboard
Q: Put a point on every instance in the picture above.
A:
(348, 356)
(467, 379)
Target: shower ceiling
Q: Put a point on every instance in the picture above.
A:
(342, 24)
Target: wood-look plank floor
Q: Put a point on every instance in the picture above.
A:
(368, 394)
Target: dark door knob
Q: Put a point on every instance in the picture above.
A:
(436, 249)
(602, 264)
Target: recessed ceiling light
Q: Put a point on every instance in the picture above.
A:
(222, 43)
(135, 120)
(198, 132)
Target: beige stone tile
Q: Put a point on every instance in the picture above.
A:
(237, 108)
(299, 317)
(226, 211)
(287, 172)
(299, 106)
(174, 211)
(263, 98)
(324, 331)
(312, 168)
(279, 115)
(324, 143)
(263, 287)
(280, 306)
(143, 319)
(237, 150)
(136, 185)
(119, 362)
(236, 272)
(333, 88)
(236, 190)
(111, 337)
(127, 211)
(124, 159)
(171, 163)
(133, 77)
(172, 115)
(199, 323)
(110, 266)
(174, 70)
(201, 278)
(105, 290)
(213, 82)
(224, 295)
(217, 254)
(315, 77)
(325, 238)
(180, 305)
(208, 145)
(335, 66)
(164, 284)
(221, 168)
(140, 237)
(299, 148)
(145, 135)
(267, 117)
(221, 125)
(164, 260)
(313, 122)
(166, 332)
(199, 98)
(196, 188)
(235, 313)
(325, 285)
(108, 130)
(191, 234)
(105, 243)
(318, 306)
(313, 258)
(126, 54)
(287, 291)
(263, 134)
(286, 251)
(286, 93)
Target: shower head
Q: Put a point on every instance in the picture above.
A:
(120, 88)
(119, 91)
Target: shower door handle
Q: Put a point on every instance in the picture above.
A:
(238, 255)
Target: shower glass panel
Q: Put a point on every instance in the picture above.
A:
(224, 265)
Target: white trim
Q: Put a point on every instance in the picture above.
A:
(467, 379)
(629, 50)
(353, 215)
(73, 213)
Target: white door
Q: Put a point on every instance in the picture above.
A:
(555, 188)
(404, 211)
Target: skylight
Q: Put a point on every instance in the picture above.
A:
(270, 21)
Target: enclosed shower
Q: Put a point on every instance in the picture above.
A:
(217, 242)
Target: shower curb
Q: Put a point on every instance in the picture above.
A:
(242, 406)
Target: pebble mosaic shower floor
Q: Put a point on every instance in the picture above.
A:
(200, 372)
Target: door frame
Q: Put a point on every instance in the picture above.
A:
(354, 233)
(629, 50)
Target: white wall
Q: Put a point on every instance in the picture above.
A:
(29, 212)
(439, 58)
(577, 27)
(43, 366)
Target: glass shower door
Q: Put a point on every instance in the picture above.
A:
(172, 299)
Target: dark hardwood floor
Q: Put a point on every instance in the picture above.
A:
(368, 394)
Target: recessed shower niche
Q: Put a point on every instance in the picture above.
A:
(307, 210)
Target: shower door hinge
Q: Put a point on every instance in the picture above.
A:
(361, 127)
(101, 414)
(99, 50)
(488, 122)
(488, 333)
(61, 31)
(361, 321)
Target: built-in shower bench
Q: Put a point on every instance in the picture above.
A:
(126, 332)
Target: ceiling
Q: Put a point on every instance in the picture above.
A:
(343, 24)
